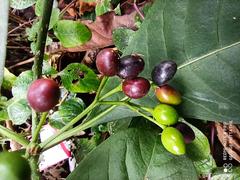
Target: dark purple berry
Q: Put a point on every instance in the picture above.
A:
(136, 88)
(186, 131)
(164, 72)
(130, 66)
(43, 94)
(107, 62)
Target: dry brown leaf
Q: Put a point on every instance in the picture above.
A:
(102, 29)
(86, 6)
(229, 136)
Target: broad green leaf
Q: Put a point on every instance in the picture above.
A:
(121, 37)
(21, 4)
(72, 33)
(8, 79)
(68, 110)
(79, 78)
(205, 166)
(19, 111)
(119, 125)
(102, 7)
(133, 154)
(203, 38)
(21, 84)
(228, 173)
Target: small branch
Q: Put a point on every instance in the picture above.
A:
(38, 128)
(138, 10)
(13, 136)
(42, 36)
(20, 25)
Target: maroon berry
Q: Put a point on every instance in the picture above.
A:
(136, 88)
(107, 62)
(186, 131)
(43, 94)
(130, 66)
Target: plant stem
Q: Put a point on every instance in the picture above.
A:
(33, 161)
(14, 136)
(4, 9)
(113, 91)
(39, 126)
(90, 123)
(42, 36)
(136, 108)
(79, 117)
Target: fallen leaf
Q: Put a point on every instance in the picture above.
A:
(102, 29)
(229, 136)
(86, 6)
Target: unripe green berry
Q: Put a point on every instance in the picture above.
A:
(165, 114)
(167, 94)
(173, 141)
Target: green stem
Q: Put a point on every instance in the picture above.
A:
(33, 161)
(79, 117)
(42, 36)
(90, 123)
(34, 121)
(135, 108)
(113, 91)
(39, 126)
(14, 136)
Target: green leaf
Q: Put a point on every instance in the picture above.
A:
(21, 4)
(3, 108)
(121, 37)
(232, 173)
(199, 149)
(47, 69)
(68, 110)
(8, 79)
(21, 84)
(19, 111)
(72, 33)
(119, 125)
(133, 154)
(203, 38)
(79, 78)
(102, 7)
(54, 16)
(205, 166)
(32, 32)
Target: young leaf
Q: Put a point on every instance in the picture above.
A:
(72, 33)
(133, 154)
(19, 111)
(79, 78)
(21, 84)
(8, 79)
(66, 112)
(3, 108)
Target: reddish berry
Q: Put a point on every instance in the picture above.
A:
(136, 88)
(43, 94)
(107, 62)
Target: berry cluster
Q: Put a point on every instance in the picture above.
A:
(128, 68)
(173, 138)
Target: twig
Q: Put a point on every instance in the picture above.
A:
(42, 36)
(68, 6)
(138, 11)
(21, 25)
(21, 63)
